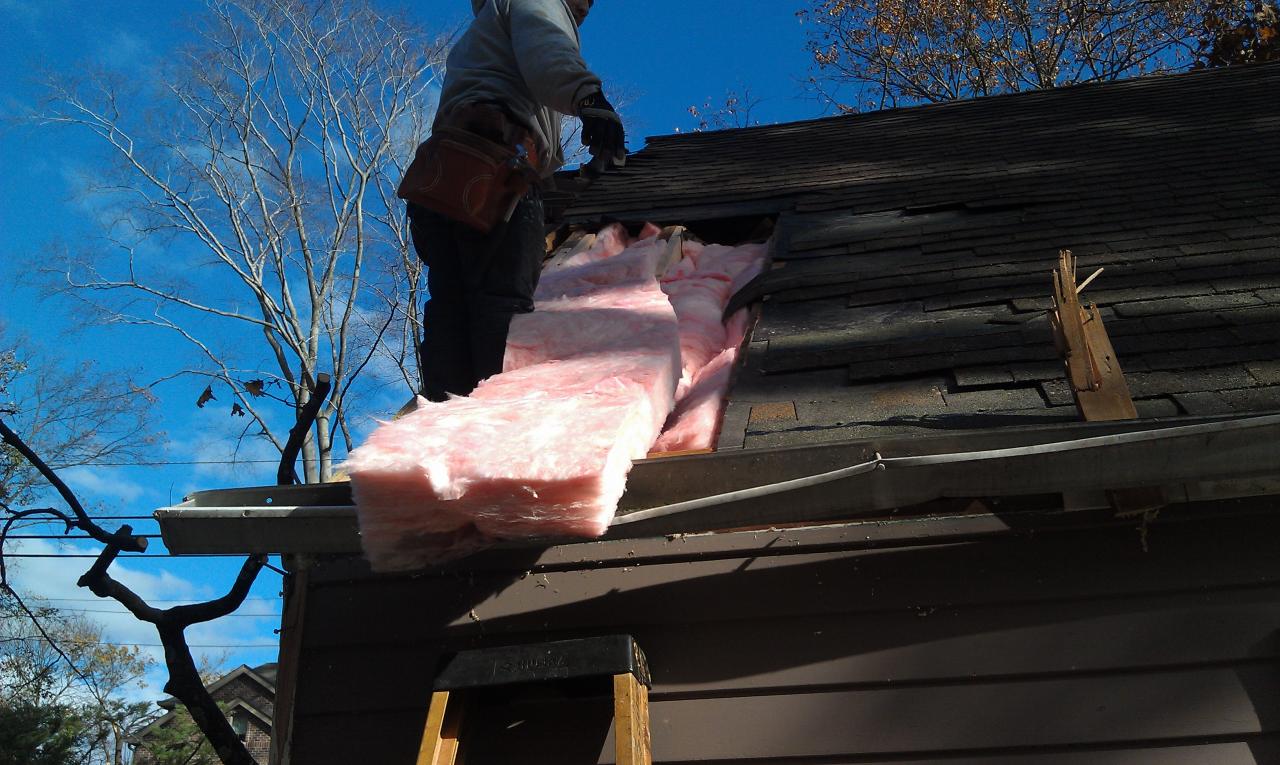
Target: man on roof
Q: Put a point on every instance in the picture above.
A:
(509, 79)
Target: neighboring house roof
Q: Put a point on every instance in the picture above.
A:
(912, 267)
(263, 675)
(241, 704)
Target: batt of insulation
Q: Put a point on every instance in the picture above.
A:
(625, 354)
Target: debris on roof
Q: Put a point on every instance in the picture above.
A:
(905, 309)
(914, 245)
(626, 334)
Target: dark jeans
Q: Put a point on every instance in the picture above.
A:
(477, 283)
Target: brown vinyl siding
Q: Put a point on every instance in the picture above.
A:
(1054, 647)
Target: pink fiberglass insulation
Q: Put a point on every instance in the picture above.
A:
(589, 380)
(587, 309)
(695, 422)
(738, 264)
(700, 285)
(648, 231)
(699, 302)
(696, 419)
(542, 449)
(636, 262)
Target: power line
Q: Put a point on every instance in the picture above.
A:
(126, 613)
(157, 600)
(182, 463)
(156, 645)
(64, 537)
(168, 463)
(50, 519)
(123, 556)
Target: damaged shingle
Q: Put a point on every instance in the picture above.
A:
(916, 248)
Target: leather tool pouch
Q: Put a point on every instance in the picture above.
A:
(464, 174)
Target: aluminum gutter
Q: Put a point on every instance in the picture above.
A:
(1182, 458)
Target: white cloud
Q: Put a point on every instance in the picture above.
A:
(54, 580)
(123, 49)
(227, 454)
(102, 486)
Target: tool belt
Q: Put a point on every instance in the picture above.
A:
(474, 169)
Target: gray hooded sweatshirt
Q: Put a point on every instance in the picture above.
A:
(525, 54)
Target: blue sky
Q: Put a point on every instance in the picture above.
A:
(663, 55)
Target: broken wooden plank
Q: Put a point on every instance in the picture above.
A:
(1068, 324)
(578, 241)
(674, 236)
(1111, 400)
(1093, 370)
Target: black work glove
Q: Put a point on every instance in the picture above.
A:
(602, 131)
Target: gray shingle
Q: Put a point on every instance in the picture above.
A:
(1254, 400)
(1265, 372)
(1000, 399)
(1188, 305)
(919, 242)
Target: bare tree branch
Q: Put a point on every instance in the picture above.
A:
(272, 154)
(184, 681)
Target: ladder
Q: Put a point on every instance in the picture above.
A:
(615, 656)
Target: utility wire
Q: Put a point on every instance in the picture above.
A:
(182, 463)
(156, 645)
(124, 556)
(81, 536)
(149, 600)
(126, 613)
(94, 518)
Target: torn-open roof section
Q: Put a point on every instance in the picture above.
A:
(627, 336)
(904, 309)
(915, 248)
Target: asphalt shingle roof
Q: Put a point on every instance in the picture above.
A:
(914, 249)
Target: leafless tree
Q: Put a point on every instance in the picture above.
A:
(251, 203)
(74, 669)
(734, 112)
(185, 682)
(884, 53)
(74, 414)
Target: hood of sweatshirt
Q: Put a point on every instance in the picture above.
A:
(476, 5)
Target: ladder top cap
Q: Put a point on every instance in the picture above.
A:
(543, 662)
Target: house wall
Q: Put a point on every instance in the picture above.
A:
(249, 691)
(258, 736)
(917, 641)
(258, 741)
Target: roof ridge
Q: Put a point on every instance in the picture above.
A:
(1142, 81)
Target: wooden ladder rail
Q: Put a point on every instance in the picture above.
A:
(614, 656)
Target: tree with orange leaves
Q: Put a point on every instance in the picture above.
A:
(875, 54)
(1240, 35)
